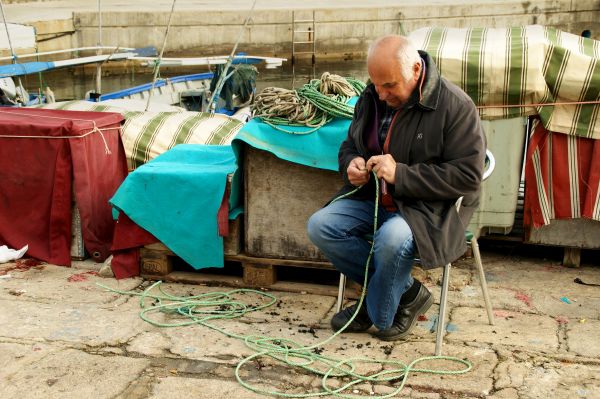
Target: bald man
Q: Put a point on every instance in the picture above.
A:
(421, 137)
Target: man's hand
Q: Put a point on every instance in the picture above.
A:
(384, 166)
(357, 172)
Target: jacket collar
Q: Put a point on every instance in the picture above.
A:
(432, 85)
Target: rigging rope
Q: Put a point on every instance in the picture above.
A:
(204, 308)
(158, 61)
(214, 97)
(312, 105)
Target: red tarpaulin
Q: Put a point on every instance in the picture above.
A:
(129, 237)
(46, 157)
(562, 176)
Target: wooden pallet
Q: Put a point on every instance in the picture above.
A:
(157, 264)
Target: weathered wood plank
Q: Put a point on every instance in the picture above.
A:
(232, 281)
(280, 197)
(574, 233)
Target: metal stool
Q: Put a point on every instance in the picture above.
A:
(472, 240)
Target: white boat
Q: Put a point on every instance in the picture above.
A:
(269, 62)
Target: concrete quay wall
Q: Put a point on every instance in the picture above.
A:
(342, 31)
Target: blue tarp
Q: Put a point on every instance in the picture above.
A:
(176, 197)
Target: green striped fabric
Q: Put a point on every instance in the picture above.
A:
(148, 134)
(533, 66)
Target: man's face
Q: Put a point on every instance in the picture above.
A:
(389, 83)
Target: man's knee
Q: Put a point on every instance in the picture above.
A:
(395, 241)
(314, 226)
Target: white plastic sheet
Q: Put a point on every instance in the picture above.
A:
(8, 254)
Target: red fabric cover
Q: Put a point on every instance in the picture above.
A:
(128, 239)
(223, 214)
(36, 176)
(561, 175)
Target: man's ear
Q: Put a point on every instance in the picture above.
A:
(416, 70)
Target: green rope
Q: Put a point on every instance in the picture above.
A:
(312, 105)
(203, 308)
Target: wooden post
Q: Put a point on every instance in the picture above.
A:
(572, 257)
(259, 275)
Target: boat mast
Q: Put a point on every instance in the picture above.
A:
(12, 51)
(157, 65)
(212, 103)
(99, 51)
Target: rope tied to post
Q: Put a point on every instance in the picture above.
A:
(312, 105)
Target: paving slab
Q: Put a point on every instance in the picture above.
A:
(514, 329)
(73, 373)
(306, 309)
(501, 298)
(15, 356)
(185, 388)
(84, 324)
(559, 380)
(477, 382)
(583, 338)
(79, 286)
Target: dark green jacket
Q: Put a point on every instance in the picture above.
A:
(439, 147)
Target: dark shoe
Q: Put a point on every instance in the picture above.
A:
(406, 316)
(361, 322)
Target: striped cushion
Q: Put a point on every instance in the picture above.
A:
(148, 134)
(522, 66)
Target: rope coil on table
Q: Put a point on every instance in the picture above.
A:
(312, 105)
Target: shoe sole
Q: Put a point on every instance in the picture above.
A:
(351, 330)
(422, 310)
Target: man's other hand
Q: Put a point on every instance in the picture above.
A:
(384, 166)
(357, 172)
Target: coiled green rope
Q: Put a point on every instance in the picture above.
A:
(203, 308)
(312, 105)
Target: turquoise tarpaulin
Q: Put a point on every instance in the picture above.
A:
(318, 149)
(176, 197)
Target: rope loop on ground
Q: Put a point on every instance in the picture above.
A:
(338, 377)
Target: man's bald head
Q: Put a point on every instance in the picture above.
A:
(392, 49)
(394, 67)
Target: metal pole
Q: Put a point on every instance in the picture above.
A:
(99, 50)
(224, 76)
(12, 51)
(157, 66)
(441, 327)
(7, 33)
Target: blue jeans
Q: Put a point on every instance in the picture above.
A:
(339, 231)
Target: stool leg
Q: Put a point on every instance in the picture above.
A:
(482, 280)
(441, 327)
(341, 290)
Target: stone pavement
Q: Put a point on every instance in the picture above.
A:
(61, 336)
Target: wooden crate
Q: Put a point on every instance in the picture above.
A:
(232, 244)
(280, 196)
(157, 260)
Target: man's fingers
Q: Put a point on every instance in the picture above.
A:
(373, 162)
